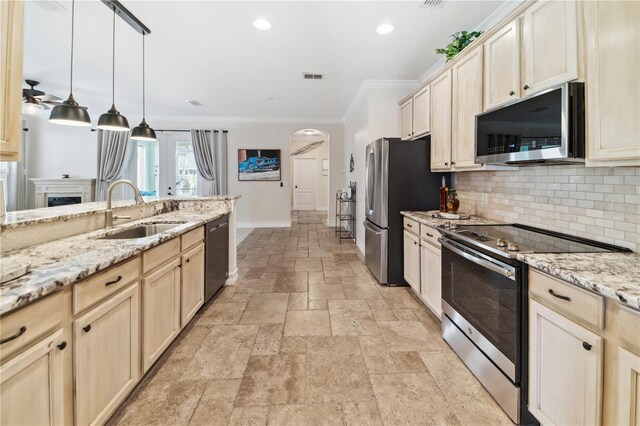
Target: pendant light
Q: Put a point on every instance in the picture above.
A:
(69, 112)
(112, 119)
(143, 132)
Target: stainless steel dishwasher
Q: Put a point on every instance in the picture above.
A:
(217, 254)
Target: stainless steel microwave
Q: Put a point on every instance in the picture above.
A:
(547, 127)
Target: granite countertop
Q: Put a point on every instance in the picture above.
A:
(427, 219)
(63, 262)
(22, 218)
(614, 275)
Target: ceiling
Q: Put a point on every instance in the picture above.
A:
(210, 51)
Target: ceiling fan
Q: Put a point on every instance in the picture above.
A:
(34, 101)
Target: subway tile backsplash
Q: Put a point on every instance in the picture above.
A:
(597, 203)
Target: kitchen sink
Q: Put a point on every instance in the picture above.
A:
(140, 231)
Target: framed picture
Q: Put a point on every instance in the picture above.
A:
(259, 164)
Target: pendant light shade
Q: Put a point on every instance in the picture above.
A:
(69, 112)
(143, 132)
(112, 119)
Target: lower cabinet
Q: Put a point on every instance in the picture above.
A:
(628, 388)
(412, 260)
(565, 369)
(106, 356)
(192, 283)
(430, 277)
(160, 311)
(32, 385)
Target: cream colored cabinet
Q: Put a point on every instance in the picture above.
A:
(550, 45)
(441, 122)
(430, 277)
(11, 48)
(191, 283)
(161, 311)
(421, 112)
(106, 356)
(412, 260)
(32, 384)
(565, 369)
(502, 66)
(613, 82)
(467, 102)
(628, 388)
(406, 120)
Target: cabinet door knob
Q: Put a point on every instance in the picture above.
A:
(188, 260)
(526, 86)
(511, 93)
(446, 164)
(62, 345)
(414, 243)
(452, 163)
(586, 346)
(87, 328)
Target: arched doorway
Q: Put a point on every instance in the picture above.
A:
(309, 161)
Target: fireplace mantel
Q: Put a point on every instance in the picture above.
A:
(61, 187)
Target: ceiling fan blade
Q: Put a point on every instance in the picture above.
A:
(45, 106)
(32, 92)
(45, 97)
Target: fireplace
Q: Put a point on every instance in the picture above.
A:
(62, 192)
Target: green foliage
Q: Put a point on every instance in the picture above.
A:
(461, 39)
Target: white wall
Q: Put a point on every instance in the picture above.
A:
(320, 153)
(55, 149)
(373, 113)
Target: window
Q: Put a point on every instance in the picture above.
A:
(5, 173)
(186, 171)
(147, 161)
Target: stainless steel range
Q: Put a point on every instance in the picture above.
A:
(484, 301)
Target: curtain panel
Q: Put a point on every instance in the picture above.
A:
(114, 151)
(210, 152)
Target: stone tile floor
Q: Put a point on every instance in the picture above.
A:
(307, 336)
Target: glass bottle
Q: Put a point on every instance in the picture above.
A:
(443, 196)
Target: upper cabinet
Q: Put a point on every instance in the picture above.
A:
(421, 112)
(406, 120)
(550, 39)
(441, 122)
(502, 66)
(613, 82)
(467, 102)
(11, 41)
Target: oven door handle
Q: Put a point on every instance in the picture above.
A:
(479, 261)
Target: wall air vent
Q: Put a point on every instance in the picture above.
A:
(432, 3)
(194, 102)
(311, 76)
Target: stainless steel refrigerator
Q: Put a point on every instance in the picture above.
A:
(398, 178)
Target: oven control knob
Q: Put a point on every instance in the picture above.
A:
(501, 242)
(453, 226)
(512, 247)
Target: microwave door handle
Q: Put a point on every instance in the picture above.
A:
(479, 261)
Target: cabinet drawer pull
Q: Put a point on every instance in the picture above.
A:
(409, 225)
(429, 235)
(62, 345)
(511, 93)
(108, 283)
(20, 332)
(87, 328)
(559, 296)
(586, 346)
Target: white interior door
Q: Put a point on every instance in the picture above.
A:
(304, 183)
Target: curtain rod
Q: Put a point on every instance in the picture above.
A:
(170, 130)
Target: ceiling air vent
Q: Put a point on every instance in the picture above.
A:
(432, 3)
(311, 76)
(194, 102)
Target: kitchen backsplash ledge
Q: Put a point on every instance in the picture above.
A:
(597, 203)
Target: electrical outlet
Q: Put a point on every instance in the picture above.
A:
(485, 198)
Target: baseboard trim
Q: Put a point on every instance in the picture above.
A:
(360, 245)
(233, 278)
(274, 224)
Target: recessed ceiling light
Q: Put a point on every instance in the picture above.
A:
(262, 24)
(385, 29)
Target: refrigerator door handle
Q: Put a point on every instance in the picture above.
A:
(370, 180)
(371, 228)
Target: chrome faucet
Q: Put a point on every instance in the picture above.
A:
(109, 217)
